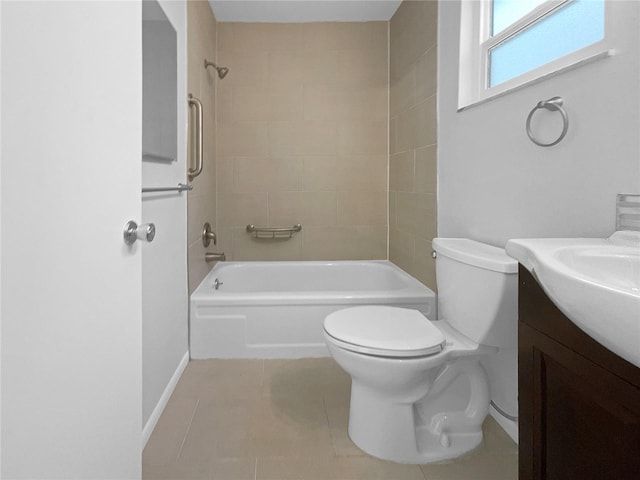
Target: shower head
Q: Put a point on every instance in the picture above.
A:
(222, 71)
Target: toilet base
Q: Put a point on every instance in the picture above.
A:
(431, 448)
(387, 428)
(425, 447)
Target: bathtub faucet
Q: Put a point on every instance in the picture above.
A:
(214, 257)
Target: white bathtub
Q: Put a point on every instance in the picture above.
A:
(276, 309)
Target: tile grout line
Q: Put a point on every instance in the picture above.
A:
(184, 439)
(424, 475)
(255, 470)
(326, 414)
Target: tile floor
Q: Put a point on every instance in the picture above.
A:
(286, 419)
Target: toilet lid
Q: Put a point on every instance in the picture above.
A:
(384, 331)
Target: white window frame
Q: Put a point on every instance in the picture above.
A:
(476, 42)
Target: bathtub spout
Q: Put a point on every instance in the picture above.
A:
(214, 257)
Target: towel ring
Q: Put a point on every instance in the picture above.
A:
(555, 105)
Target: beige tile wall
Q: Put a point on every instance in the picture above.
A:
(302, 128)
(412, 138)
(201, 201)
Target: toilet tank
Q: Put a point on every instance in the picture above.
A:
(478, 290)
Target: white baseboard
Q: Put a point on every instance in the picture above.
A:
(507, 425)
(164, 398)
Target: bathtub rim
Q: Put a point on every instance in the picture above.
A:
(414, 291)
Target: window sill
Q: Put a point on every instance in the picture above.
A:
(521, 82)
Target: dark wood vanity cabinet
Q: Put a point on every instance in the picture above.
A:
(579, 402)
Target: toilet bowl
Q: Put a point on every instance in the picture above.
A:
(391, 388)
(419, 393)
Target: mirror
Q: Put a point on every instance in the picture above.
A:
(159, 85)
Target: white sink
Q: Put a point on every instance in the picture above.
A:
(594, 282)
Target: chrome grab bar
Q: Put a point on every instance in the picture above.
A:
(273, 231)
(180, 188)
(193, 173)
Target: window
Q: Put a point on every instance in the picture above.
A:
(507, 43)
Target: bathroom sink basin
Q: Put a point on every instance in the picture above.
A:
(594, 282)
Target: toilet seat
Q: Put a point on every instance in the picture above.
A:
(384, 331)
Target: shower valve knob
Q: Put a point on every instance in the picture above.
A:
(133, 232)
(208, 235)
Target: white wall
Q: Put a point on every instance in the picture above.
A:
(495, 184)
(71, 290)
(164, 261)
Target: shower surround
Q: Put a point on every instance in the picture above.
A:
(331, 125)
(202, 83)
(413, 138)
(302, 122)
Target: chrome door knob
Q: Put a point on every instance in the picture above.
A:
(133, 232)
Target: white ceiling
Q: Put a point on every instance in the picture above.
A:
(285, 11)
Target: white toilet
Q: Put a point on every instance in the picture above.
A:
(418, 391)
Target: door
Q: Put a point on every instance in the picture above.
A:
(71, 289)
